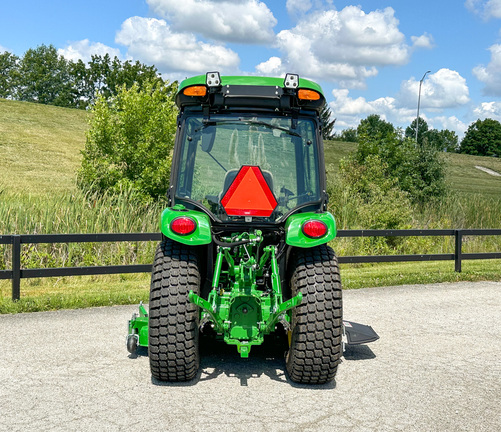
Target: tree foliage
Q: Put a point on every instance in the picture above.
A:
(130, 141)
(8, 74)
(44, 76)
(410, 131)
(327, 122)
(483, 138)
(443, 140)
(375, 127)
(418, 170)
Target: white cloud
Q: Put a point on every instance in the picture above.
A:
(272, 67)
(440, 91)
(452, 123)
(490, 110)
(349, 111)
(423, 41)
(443, 89)
(343, 46)
(489, 74)
(298, 7)
(2, 49)
(486, 9)
(152, 41)
(84, 50)
(243, 21)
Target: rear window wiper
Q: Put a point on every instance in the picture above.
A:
(250, 122)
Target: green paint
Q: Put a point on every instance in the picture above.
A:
(294, 235)
(240, 307)
(202, 234)
(250, 81)
(139, 325)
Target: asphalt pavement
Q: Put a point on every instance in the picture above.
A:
(436, 367)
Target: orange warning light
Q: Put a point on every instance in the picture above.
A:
(195, 91)
(249, 194)
(306, 94)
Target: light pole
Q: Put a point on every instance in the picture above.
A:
(418, 102)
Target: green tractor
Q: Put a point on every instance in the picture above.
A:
(244, 250)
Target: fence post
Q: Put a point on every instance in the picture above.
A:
(16, 267)
(458, 236)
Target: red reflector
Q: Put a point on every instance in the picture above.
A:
(249, 194)
(314, 229)
(183, 225)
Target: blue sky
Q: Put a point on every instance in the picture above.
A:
(368, 55)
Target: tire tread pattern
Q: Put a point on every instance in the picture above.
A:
(316, 340)
(173, 319)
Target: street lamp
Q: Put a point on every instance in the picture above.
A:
(418, 102)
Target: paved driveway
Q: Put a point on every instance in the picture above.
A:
(436, 367)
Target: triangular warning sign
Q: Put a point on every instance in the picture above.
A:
(249, 194)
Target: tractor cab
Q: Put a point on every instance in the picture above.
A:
(249, 152)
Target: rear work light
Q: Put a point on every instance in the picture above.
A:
(197, 90)
(183, 225)
(305, 94)
(314, 229)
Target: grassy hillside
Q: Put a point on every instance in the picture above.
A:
(40, 147)
(465, 178)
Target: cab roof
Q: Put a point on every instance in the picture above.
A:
(217, 91)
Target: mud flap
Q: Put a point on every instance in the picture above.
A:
(358, 334)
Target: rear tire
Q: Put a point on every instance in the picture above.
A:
(316, 326)
(173, 319)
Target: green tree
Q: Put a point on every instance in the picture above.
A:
(418, 170)
(483, 138)
(444, 140)
(374, 126)
(8, 73)
(348, 135)
(44, 77)
(130, 141)
(410, 131)
(327, 123)
(105, 76)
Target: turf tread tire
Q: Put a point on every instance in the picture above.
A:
(316, 340)
(173, 319)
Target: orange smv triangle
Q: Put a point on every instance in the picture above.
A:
(249, 194)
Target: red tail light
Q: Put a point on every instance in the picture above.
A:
(183, 225)
(314, 229)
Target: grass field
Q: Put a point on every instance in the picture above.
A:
(40, 147)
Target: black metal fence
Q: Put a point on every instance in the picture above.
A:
(17, 273)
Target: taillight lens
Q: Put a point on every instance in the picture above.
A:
(183, 225)
(314, 229)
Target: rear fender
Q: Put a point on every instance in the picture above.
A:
(202, 234)
(294, 235)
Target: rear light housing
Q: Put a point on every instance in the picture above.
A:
(314, 229)
(183, 225)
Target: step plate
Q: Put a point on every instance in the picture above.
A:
(358, 334)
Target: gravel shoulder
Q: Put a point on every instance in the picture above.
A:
(436, 367)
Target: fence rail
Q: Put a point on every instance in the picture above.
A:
(17, 273)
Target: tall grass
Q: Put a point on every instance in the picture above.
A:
(77, 213)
